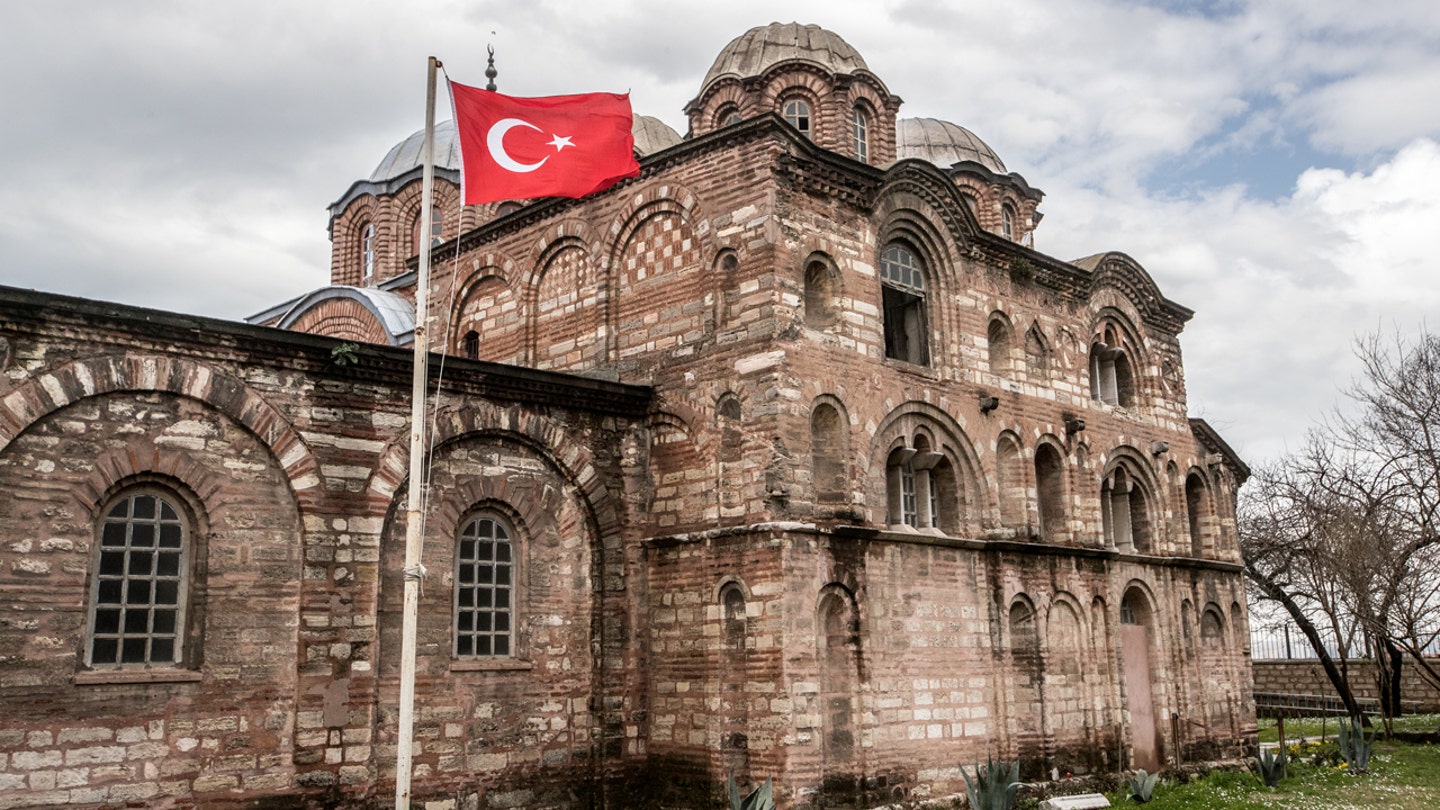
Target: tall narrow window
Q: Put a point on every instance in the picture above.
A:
(1112, 379)
(484, 590)
(1124, 512)
(470, 345)
(902, 277)
(797, 115)
(367, 253)
(437, 228)
(921, 489)
(860, 128)
(1007, 221)
(141, 583)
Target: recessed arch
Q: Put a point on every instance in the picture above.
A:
(823, 290)
(830, 451)
(1128, 514)
(959, 503)
(1000, 343)
(1051, 491)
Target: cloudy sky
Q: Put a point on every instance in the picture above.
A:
(1274, 165)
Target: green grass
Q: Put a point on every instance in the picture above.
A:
(1313, 726)
(1402, 777)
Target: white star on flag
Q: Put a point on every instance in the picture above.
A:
(559, 143)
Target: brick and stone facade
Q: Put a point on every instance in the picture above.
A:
(811, 466)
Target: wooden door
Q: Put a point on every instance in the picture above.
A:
(1135, 647)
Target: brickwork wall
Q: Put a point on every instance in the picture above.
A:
(290, 471)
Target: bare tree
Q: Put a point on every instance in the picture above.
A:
(1344, 532)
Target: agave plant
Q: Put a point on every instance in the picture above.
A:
(1271, 766)
(1355, 745)
(761, 798)
(994, 786)
(1142, 785)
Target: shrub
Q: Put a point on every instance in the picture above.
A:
(1271, 765)
(761, 798)
(994, 786)
(1142, 785)
(1355, 745)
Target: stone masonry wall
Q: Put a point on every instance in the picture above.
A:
(289, 470)
(1306, 677)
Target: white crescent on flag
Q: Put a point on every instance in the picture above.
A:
(495, 142)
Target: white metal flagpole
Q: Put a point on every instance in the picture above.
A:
(414, 571)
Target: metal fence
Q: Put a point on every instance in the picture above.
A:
(1286, 641)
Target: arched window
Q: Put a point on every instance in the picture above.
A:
(732, 604)
(507, 208)
(860, 129)
(797, 115)
(900, 487)
(1000, 341)
(437, 228)
(971, 202)
(922, 489)
(822, 294)
(470, 345)
(727, 115)
(1007, 221)
(140, 588)
(1111, 379)
(485, 589)
(367, 253)
(1124, 512)
(902, 282)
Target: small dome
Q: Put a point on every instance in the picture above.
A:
(759, 49)
(406, 154)
(943, 144)
(652, 135)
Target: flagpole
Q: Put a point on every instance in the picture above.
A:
(414, 571)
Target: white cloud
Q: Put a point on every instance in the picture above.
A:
(181, 155)
(1282, 288)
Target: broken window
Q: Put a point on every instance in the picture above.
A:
(797, 115)
(902, 280)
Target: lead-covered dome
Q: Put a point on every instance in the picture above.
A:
(405, 155)
(761, 48)
(943, 144)
(652, 135)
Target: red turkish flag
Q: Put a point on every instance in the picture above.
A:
(556, 146)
